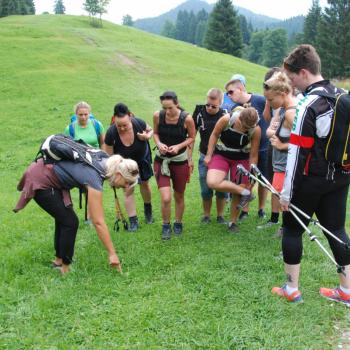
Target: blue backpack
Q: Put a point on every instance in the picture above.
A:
(74, 120)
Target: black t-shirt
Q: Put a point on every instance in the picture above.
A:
(205, 123)
(137, 150)
(79, 175)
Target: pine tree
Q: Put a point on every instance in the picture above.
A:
(182, 25)
(311, 23)
(255, 49)
(192, 25)
(333, 39)
(169, 29)
(274, 47)
(244, 29)
(59, 8)
(16, 7)
(224, 33)
(127, 21)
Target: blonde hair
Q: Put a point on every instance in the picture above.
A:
(248, 116)
(216, 93)
(81, 104)
(128, 168)
(279, 83)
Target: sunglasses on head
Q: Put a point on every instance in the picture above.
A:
(166, 97)
(209, 105)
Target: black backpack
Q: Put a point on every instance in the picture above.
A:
(62, 147)
(338, 143)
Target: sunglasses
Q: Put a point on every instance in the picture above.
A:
(266, 86)
(211, 106)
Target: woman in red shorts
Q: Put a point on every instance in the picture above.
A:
(174, 131)
(234, 140)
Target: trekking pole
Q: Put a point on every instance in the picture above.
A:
(340, 269)
(292, 206)
(118, 214)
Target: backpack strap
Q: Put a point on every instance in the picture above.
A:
(97, 127)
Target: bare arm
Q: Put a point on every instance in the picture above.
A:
(271, 130)
(97, 217)
(161, 146)
(255, 142)
(108, 149)
(101, 140)
(146, 134)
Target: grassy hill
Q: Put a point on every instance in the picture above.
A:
(207, 290)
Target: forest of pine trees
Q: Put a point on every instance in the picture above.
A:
(16, 7)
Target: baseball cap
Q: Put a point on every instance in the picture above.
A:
(236, 77)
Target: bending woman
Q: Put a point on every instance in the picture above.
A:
(234, 140)
(129, 136)
(174, 131)
(49, 184)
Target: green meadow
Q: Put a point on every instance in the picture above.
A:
(206, 290)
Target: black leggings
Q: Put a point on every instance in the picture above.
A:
(66, 222)
(328, 201)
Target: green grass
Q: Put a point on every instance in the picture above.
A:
(207, 290)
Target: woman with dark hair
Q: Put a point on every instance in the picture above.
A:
(129, 136)
(174, 131)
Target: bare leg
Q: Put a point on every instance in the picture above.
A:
(292, 273)
(220, 206)
(262, 193)
(145, 190)
(345, 280)
(216, 180)
(129, 200)
(207, 206)
(179, 205)
(275, 204)
(165, 198)
(234, 211)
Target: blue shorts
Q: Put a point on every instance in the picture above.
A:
(206, 192)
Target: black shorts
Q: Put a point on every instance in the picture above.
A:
(145, 169)
(263, 163)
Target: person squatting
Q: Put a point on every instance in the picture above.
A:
(283, 134)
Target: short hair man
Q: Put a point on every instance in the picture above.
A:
(236, 90)
(312, 183)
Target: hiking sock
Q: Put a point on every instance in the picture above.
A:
(147, 206)
(290, 290)
(274, 217)
(245, 192)
(344, 290)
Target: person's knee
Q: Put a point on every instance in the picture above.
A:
(292, 246)
(206, 192)
(179, 197)
(212, 182)
(166, 198)
(340, 251)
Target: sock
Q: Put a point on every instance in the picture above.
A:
(147, 205)
(274, 217)
(245, 192)
(133, 218)
(290, 290)
(344, 290)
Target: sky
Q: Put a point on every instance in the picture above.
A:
(151, 8)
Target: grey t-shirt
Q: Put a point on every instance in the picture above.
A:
(79, 175)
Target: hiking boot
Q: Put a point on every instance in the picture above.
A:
(245, 200)
(147, 208)
(205, 220)
(133, 224)
(177, 228)
(267, 225)
(295, 297)
(220, 220)
(261, 214)
(233, 228)
(243, 215)
(166, 232)
(336, 294)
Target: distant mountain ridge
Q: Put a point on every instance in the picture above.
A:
(155, 24)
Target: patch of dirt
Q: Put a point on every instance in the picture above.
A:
(122, 59)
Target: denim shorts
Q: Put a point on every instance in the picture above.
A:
(206, 192)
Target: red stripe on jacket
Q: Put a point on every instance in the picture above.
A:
(302, 141)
